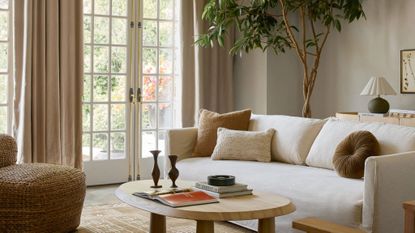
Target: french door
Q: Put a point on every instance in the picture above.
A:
(6, 66)
(130, 56)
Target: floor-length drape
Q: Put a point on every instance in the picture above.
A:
(207, 73)
(48, 81)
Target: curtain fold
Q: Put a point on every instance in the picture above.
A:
(207, 73)
(48, 81)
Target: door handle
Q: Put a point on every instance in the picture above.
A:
(131, 95)
(139, 95)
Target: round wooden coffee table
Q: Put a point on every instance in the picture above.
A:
(262, 206)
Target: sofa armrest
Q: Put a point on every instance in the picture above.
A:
(179, 142)
(388, 181)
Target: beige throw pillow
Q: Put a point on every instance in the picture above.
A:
(243, 145)
(209, 122)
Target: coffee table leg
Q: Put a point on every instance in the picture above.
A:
(204, 226)
(266, 225)
(157, 223)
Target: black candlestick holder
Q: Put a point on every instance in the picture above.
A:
(156, 171)
(174, 172)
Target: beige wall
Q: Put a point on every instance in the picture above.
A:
(267, 83)
(250, 81)
(363, 49)
(284, 93)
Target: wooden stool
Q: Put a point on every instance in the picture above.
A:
(409, 208)
(315, 225)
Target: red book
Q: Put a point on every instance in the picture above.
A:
(186, 199)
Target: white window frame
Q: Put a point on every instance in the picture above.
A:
(92, 73)
(134, 131)
(174, 73)
(10, 69)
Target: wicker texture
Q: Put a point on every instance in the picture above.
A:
(8, 150)
(40, 197)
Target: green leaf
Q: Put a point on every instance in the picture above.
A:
(338, 25)
(260, 24)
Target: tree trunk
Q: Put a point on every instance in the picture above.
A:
(306, 108)
(307, 92)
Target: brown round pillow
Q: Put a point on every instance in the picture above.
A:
(351, 153)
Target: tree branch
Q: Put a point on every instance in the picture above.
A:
(326, 35)
(313, 29)
(304, 32)
(303, 27)
(290, 32)
(312, 54)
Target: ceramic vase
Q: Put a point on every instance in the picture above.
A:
(156, 171)
(173, 173)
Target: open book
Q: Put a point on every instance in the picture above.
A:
(179, 199)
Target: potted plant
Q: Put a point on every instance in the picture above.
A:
(270, 24)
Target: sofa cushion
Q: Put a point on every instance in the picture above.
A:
(314, 191)
(392, 139)
(351, 153)
(243, 145)
(293, 138)
(209, 122)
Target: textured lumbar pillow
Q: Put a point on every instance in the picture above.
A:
(243, 145)
(209, 122)
(351, 153)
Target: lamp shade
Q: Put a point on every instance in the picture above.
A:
(378, 86)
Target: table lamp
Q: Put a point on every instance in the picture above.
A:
(375, 87)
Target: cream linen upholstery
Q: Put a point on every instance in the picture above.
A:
(389, 181)
(294, 137)
(179, 142)
(243, 145)
(392, 139)
(314, 191)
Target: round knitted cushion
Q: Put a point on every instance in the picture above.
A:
(40, 198)
(351, 153)
(8, 150)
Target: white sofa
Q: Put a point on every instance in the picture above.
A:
(299, 147)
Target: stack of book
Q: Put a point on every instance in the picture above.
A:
(224, 191)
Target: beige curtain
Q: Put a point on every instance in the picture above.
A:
(48, 81)
(207, 72)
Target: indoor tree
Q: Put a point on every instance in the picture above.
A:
(303, 25)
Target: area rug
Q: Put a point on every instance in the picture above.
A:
(121, 217)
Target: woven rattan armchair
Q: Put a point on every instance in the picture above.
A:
(38, 197)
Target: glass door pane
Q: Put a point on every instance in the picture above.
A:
(6, 66)
(158, 57)
(129, 45)
(106, 81)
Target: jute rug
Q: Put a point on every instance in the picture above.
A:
(121, 217)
